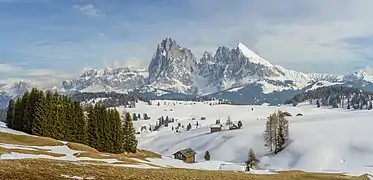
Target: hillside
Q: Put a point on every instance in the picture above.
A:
(321, 140)
(24, 156)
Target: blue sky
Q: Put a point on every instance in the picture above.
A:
(51, 40)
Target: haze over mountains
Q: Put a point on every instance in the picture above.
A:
(236, 74)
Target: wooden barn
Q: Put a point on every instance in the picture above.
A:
(187, 155)
(215, 128)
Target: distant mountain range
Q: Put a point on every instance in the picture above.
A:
(236, 74)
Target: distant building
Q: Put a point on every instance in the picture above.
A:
(186, 155)
(215, 128)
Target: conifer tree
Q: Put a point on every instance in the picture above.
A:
(207, 156)
(92, 129)
(239, 124)
(118, 143)
(138, 116)
(130, 142)
(25, 114)
(18, 115)
(252, 161)
(10, 115)
(134, 117)
(40, 115)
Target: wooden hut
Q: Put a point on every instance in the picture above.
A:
(215, 128)
(186, 155)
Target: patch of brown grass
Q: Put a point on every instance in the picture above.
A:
(51, 169)
(142, 154)
(81, 147)
(26, 151)
(27, 140)
(119, 157)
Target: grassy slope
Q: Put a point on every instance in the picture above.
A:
(48, 169)
(27, 140)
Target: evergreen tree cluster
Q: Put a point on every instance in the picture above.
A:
(110, 99)
(59, 117)
(47, 114)
(104, 129)
(336, 97)
(276, 132)
(162, 121)
(138, 116)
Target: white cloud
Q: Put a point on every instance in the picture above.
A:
(8, 69)
(42, 78)
(89, 10)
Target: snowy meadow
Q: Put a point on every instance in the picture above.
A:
(322, 140)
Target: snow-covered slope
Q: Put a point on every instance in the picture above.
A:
(321, 140)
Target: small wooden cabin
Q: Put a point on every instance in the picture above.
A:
(215, 128)
(186, 155)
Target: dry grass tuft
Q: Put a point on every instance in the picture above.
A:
(27, 140)
(26, 151)
(51, 169)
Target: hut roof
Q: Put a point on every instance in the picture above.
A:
(187, 152)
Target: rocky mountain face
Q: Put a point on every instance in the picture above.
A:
(173, 68)
(95, 80)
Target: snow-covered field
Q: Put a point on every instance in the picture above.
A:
(327, 140)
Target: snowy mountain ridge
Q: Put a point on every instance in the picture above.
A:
(12, 91)
(174, 68)
(236, 73)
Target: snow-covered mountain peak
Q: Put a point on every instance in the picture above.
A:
(253, 57)
(365, 74)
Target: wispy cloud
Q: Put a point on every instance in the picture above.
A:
(89, 10)
(42, 78)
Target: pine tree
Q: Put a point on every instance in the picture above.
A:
(207, 156)
(10, 115)
(118, 143)
(18, 115)
(252, 161)
(25, 114)
(92, 130)
(318, 103)
(40, 116)
(146, 116)
(138, 116)
(189, 126)
(134, 117)
(239, 124)
(130, 142)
